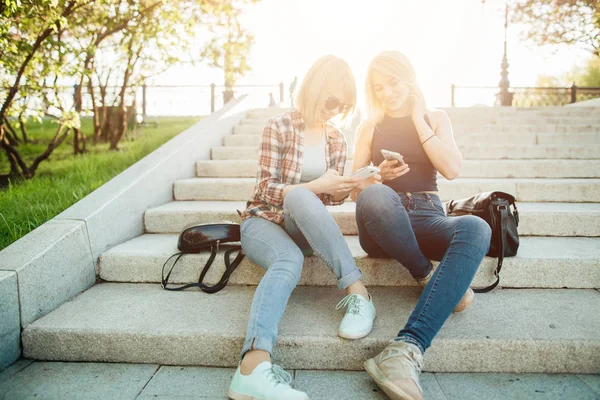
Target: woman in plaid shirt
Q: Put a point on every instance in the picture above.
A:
(300, 171)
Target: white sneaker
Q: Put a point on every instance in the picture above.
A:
(360, 314)
(266, 382)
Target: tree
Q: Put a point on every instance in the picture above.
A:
(230, 45)
(587, 75)
(95, 44)
(35, 27)
(573, 22)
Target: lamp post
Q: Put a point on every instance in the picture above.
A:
(504, 96)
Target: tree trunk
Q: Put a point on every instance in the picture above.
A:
(23, 128)
(10, 133)
(122, 110)
(15, 160)
(96, 116)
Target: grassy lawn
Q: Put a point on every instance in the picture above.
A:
(64, 179)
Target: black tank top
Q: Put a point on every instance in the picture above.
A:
(400, 135)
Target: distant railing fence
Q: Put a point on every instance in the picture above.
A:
(151, 100)
(464, 96)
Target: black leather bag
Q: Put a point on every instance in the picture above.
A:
(495, 209)
(196, 238)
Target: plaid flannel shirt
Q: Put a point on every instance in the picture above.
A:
(280, 162)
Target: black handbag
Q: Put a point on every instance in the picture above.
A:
(196, 238)
(493, 208)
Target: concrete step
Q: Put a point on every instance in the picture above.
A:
(503, 331)
(536, 219)
(470, 113)
(467, 123)
(473, 151)
(27, 378)
(470, 168)
(541, 262)
(526, 190)
(515, 138)
(460, 130)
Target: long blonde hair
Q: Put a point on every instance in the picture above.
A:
(329, 75)
(393, 64)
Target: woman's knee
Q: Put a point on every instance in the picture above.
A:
(375, 199)
(299, 197)
(476, 229)
(288, 264)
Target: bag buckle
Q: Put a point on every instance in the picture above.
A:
(217, 250)
(501, 207)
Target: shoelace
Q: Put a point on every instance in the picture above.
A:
(279, 375)
(353, 302)
(409, 354)
(414, 360)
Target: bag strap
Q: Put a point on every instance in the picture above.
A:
(503, 221)
(229, 268)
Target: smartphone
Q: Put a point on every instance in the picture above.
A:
(392, 155)
(365, 172)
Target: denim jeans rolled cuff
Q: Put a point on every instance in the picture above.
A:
(409, 339)
(350, 278)
(257, 343)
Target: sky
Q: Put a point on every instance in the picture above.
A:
(458, 41)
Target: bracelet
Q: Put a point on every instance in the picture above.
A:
(423, 142)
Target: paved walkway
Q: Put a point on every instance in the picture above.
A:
(28, 379)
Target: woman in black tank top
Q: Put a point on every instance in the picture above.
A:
(402, 216)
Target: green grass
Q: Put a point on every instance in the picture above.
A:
(64, 179)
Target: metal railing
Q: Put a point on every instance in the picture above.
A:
(521, 96)
(151, 100)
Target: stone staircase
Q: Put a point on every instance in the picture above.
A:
(543, 319)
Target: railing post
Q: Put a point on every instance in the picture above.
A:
(452, 90)
(281, 92)
(573, 93)
(144, 102)
(212, 98)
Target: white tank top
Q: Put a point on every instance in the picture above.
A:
(315, 164)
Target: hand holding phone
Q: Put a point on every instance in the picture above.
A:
(391, 170)
(392, 155)
(331, 182)
(365, 172)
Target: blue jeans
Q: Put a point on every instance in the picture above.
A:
(413, 228)
(280, 251)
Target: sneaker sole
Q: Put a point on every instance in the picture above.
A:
(238, 396)
(388, 387)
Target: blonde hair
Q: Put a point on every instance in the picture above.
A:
(329, 75)
(393, 64)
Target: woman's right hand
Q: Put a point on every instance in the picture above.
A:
(331, 182)
(392, 169)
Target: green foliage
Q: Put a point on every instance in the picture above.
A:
(229, 47)
(587, 75)
(101, 43)
(25, 205)
(560, 22)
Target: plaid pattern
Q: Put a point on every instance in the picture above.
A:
(280, 161)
